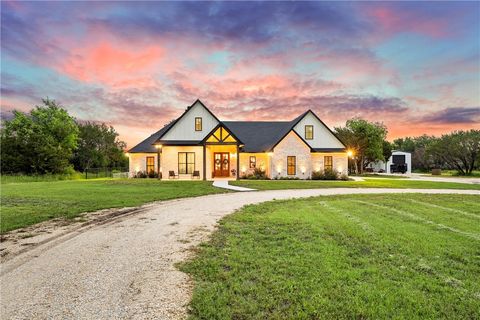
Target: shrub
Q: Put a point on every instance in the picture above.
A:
(140, 174)
(258, 174)
(153, 174)
(326, 175)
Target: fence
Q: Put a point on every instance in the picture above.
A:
(93, 173)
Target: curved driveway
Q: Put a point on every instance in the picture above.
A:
(125, 269)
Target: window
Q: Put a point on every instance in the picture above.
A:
(253, 162)
(150, 164)
(198, 124)
(186, 162)
(309, 132)
(328, 163)
(291, 165)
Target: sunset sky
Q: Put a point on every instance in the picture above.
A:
(136, 66)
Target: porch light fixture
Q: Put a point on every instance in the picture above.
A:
(350, 153)
(127, 154)
(158, 146)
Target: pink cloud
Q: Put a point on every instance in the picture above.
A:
(112, 64)
(395, 20)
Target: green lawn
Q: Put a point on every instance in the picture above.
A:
(454, 174)
(343, 257)
(368, 183)
(23, 204)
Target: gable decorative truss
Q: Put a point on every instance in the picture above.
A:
(221, 135)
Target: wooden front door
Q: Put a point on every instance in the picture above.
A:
(221, 164)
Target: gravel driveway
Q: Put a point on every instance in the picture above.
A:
(125, 269)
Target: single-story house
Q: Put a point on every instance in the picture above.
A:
(199, 145)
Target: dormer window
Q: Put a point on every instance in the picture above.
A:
(309, 132)
(198, 124)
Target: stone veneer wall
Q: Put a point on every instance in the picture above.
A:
(340, 161)
(291, 145)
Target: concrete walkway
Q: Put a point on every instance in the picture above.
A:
(125, 268)
(224, 184)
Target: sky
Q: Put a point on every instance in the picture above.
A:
(415, 66)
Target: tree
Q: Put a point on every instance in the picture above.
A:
(459, 150)
(365, 139)
(42, 141)
(99, 147)
(387, 150)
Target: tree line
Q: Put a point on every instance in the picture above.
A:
(458, 150)
(49, 140)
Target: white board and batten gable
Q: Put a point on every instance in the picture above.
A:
(184, 127)
(322, 136)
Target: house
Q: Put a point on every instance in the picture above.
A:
(199, 145)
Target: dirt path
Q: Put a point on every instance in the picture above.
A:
(124, 268)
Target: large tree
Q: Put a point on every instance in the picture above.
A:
(41, 141)
(365, 139)
(459, 150)
(99, 147)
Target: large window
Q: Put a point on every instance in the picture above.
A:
(291, 165)
(186, 162)
(150, 164)
(253, 162)
(328, 163)
(198, 124)
(309, 132)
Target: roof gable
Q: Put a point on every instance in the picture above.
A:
(183, 128)
(323, 137)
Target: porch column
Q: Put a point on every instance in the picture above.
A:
(204, 162)
(159, 152)
(238, 163)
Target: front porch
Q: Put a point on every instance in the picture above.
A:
(216, 157)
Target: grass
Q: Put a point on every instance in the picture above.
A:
(368, 183)
(25, 204)
(376, 175)
(343, 257)
(21, 178)
(455, 174)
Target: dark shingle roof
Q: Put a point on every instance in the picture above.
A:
(147, 144)
(259, 136)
